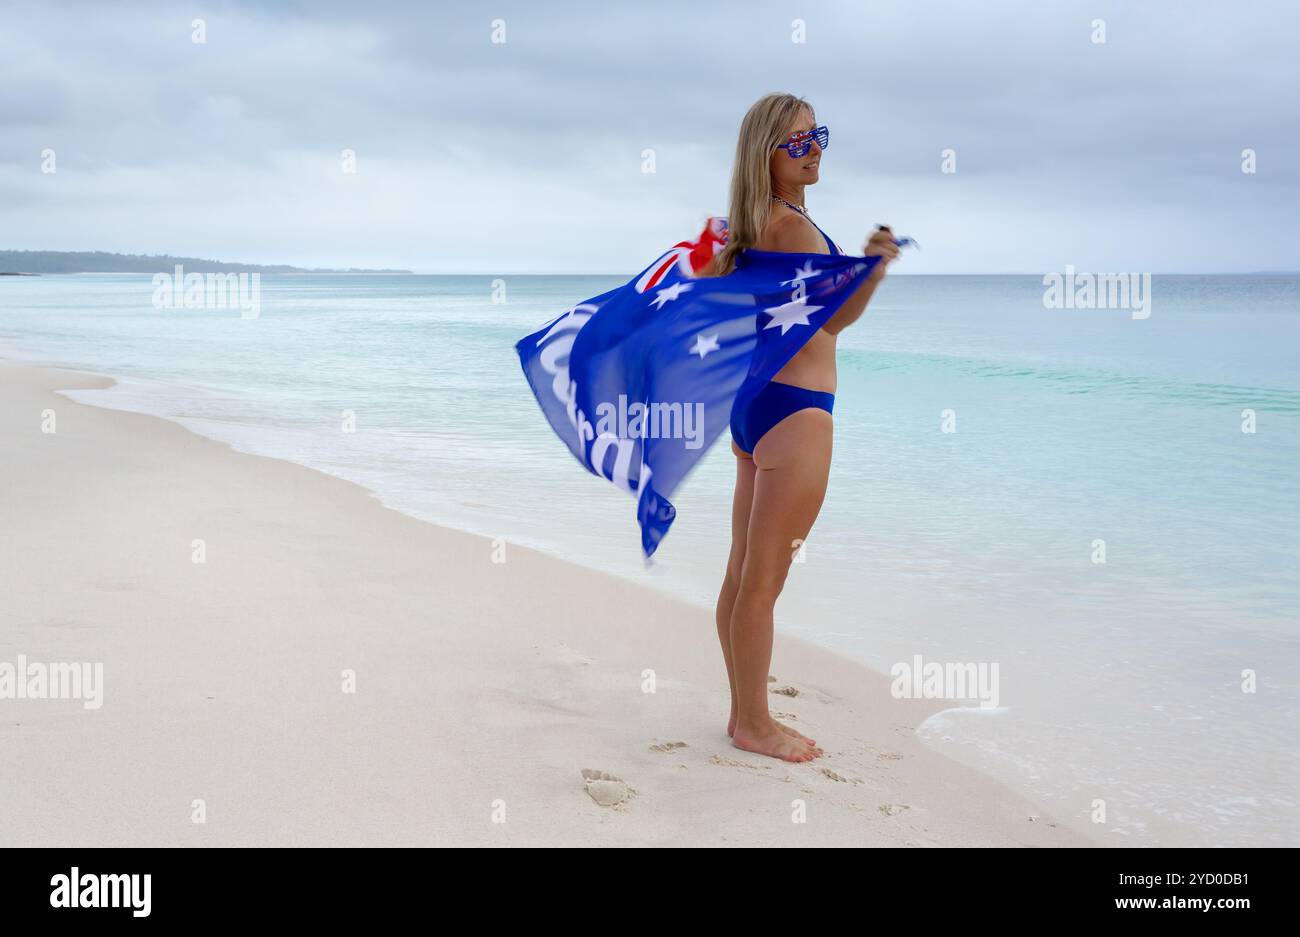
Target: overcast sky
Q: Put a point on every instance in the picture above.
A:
(526, 156)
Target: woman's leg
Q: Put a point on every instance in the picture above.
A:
(792, 463)
(740, 509)
(741, 506)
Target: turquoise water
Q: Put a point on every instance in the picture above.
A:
(1118, 681)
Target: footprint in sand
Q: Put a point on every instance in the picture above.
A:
(605, 789)
(784, 691)
(890, 810)
(664, 747)
(568, 655)
(733, 763)
(838, 777)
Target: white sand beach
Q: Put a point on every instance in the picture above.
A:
(483, 689)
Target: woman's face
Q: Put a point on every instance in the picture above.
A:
(787, 172)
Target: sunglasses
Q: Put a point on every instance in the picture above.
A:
(800, 143)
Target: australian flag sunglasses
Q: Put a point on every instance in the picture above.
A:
(800, 143)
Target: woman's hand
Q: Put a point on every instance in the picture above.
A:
(880, 244)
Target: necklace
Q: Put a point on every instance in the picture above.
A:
(801, 210)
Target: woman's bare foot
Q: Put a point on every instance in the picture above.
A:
(774, 740)
(731, 730)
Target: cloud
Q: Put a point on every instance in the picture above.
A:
(527, 155)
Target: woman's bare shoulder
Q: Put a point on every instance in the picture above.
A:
(790, 232)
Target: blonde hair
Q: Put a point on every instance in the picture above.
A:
(765, 125)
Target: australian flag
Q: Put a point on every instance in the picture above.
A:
(638, 382)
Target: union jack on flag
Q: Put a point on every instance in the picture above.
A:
(690, 256)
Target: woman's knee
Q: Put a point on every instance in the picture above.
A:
(762, 582)
(735, 569)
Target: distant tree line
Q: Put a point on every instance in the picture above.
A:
(104, 262)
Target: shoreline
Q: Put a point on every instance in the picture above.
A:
(477, 682)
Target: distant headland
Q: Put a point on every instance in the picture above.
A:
(20, 263)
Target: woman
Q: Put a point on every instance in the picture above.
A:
(782, 439)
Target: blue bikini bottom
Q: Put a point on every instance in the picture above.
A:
(769, 407)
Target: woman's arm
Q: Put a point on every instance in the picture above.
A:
(880, 244)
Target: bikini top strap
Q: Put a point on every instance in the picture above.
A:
(829, 243)
(834, 249)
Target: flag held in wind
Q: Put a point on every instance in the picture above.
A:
(638, 382)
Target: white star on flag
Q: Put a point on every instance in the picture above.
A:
(704, 344)
(806, 272)
(788, 315)
(671, 292)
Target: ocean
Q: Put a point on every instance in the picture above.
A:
(1068, 494)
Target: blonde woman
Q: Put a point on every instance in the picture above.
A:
(782, 439)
